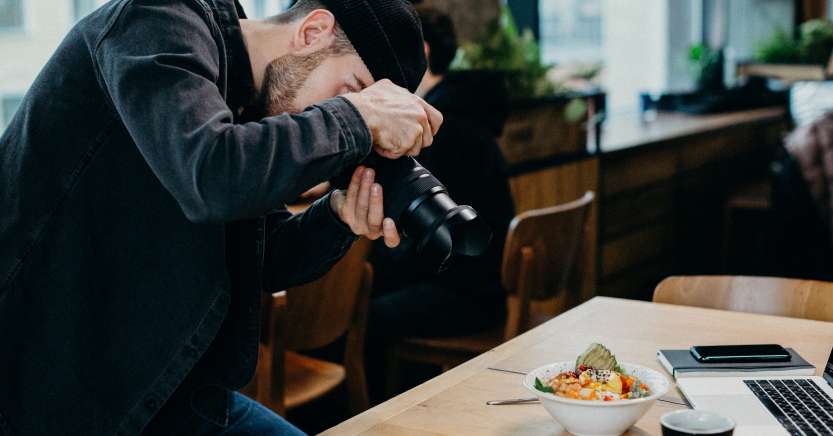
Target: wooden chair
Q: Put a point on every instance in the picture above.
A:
(312, 316)
(807, 299)
(540, 264)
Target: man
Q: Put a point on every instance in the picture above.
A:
(142, 185)
(467, 297)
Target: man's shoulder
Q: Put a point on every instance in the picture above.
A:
(151, 27)
(116, 6)
(177, 16)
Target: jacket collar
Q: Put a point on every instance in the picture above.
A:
(241, 88)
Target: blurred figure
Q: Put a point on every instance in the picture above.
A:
(467, 297)
(802, 226)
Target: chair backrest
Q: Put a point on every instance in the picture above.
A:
(321, 311)
(766, 295)
(543, 248)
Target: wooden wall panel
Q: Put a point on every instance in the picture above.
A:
(635, 248)
(623, 213)
(701, 150)
(638, 284)
(561, 184)
(555, 185)
(540, 132)
(704, 150)
(662, 205)
(637, 170)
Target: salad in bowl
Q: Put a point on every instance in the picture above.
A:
(596, 394)
(596, 376)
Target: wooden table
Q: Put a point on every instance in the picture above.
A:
(454, 403)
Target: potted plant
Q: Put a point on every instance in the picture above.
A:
(707, 67)
(803, 58)
(544, 117)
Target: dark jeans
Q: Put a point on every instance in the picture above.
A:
(425, 310)
(246, 418)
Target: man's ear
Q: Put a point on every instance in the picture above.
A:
(316, 31)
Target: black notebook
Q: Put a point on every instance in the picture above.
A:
(680, 363)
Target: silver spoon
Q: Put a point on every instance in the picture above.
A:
(535, 400)
(512, 401)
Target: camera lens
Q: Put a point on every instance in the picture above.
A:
(424, 212)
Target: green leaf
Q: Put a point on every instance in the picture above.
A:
(504, 47)
(696, 51)
(779, 48)
(576, 110)
(542, 387)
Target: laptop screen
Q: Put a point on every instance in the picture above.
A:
(828, 370)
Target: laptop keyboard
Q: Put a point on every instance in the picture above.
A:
(799, 405)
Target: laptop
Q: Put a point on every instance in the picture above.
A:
(767, 405)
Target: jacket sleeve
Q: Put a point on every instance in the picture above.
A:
(160, 65)
(303, 247)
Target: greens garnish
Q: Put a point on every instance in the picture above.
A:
(539, 385)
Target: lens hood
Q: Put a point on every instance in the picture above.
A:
(424, 212)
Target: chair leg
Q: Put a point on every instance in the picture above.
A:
(271, 390)
(356, 381)
(392, 374)
(518, 320)
(358, 397)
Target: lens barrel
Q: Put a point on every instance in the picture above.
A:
(424, 212)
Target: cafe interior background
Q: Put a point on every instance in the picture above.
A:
(677, 114)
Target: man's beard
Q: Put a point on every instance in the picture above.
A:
(282, 80)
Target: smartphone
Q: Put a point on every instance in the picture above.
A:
(740, 353)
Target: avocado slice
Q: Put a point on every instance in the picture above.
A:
(597, 356)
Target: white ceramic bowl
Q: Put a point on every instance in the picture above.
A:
(598, 418)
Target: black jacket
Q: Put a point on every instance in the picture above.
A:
(139, 217)
(466, 158)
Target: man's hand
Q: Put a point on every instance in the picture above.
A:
(361, 208)
(400, 122)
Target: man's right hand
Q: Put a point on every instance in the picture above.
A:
(400, 122)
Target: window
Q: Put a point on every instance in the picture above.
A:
(259, 8)
(571, 31)
(8, 106)
(646, 48)
(80, 8)
(264, 8)
(11, 14)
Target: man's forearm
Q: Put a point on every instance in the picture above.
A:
(302, 248)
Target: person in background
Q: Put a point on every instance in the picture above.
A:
(466, 298)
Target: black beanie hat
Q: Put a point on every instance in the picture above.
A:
(387, 36)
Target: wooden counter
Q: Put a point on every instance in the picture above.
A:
(626, 131)
(661, 190)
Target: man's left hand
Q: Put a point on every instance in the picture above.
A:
(361, 208)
